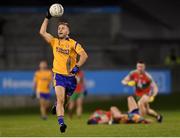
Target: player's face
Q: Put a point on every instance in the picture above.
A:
(140, 67)
(43, 65)
(63, 31)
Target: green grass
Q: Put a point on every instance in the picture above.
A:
(26, 121)
(32, 125)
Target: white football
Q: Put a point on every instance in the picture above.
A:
(56, 10)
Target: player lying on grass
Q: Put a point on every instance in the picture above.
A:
(115, 116)
(145, 89)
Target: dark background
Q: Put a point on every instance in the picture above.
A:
(115, 34)
(131, 30)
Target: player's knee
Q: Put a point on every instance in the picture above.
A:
(60, 100)
(112, 108)
(143, 112)
(140, 103)
(145, 98)
(130, 98)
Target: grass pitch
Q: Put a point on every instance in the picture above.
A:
(32, 125)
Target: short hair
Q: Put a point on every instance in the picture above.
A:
(64, 23)
(141, 62)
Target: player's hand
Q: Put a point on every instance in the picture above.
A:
(48, 15)
(131, 83)
(75, 70)
(151, 99)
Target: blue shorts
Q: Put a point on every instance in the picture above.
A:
(68, 82)
(135, 111)
(45, 96)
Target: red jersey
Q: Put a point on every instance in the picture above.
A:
(80, 82)
(101, 116)
(143, 82)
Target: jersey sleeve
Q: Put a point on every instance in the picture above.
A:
(52, 42)
(131, 75)
(78, 48)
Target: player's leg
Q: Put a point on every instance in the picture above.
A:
(115, 112)
(153, 113)
(145, 108)
(71, 106)
(47, 104)
(79, 105)
(142, 105)
(60, 96)
(132, 105)
(46, 98)
(116, 115)
(70, 92)
(43, 108)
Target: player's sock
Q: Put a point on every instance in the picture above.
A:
(159, 118)
(61, 120)
(61, 123)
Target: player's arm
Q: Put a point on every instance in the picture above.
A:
(51, 79)
(43, 31)
(34, 82)
(82, 58)
(34, 86)
(104, 120)
(155, 88)
(126, 80)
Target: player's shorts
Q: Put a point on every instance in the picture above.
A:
(135, 111)
(92, 121)
(45, 96)
(68, 82)
(135, 117)
(76, 96)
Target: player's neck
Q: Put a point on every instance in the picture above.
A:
(64, 38)
(140, 72)
(43, 69)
